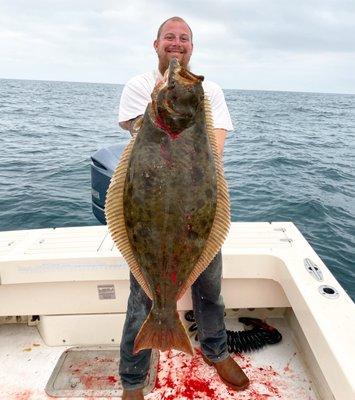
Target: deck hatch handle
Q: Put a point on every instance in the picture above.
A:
(313, 269)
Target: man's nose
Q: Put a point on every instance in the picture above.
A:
(176, 40)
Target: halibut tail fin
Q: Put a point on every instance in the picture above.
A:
(155, 334)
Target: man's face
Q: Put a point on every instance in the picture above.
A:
(174, 42)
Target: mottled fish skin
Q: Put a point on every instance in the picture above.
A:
(169, 202)
(170, 193)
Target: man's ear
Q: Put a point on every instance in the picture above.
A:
(155, 44)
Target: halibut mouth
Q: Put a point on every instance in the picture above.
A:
(171, 110)
(167, 207)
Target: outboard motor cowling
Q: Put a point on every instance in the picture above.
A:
(103, 163)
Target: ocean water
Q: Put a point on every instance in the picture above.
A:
(290, 158)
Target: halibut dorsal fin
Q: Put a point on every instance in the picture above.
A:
(115, 216)
(221, 223)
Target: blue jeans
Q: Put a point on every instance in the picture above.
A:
(209, 313)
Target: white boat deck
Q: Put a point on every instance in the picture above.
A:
(276, 371)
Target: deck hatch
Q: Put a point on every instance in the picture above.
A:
(92, 372)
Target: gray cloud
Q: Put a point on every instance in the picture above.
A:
(256, 44)
(302, 25)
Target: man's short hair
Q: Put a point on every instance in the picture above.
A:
(178, 19)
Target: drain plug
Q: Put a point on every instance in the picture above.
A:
(328, 291)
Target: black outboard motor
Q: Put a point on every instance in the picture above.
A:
(103, 163)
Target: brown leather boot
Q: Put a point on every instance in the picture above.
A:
(230, 373)
(135, 394)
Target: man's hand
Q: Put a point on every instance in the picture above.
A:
(125, 125)
(131, 125)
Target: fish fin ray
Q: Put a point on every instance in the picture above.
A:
(115, 217)
(153, 335)
(221, 223)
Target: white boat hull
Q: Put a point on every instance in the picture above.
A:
(78, 284)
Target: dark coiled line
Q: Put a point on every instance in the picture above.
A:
(260, 335)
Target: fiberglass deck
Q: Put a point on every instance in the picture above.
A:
(276, 371)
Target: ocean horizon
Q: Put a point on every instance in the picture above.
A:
(122, 84)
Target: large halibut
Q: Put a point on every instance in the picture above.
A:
(167, 207)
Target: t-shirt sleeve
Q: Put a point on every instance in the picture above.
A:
(135, 97)
(220, 112)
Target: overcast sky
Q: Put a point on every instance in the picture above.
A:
(303, 45)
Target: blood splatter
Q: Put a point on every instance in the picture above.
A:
(287, 367)
(194, 386)
(173, 277)
(112, 379)
(181, 377)
(166, 128)
(26, 395)
(87, 381)
(255, 395)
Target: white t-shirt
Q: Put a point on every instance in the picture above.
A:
(137, 94)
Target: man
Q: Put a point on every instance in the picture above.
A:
(174, 40)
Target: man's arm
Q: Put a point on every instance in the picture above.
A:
(220, 137)
(135, 97)
(221, 117)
